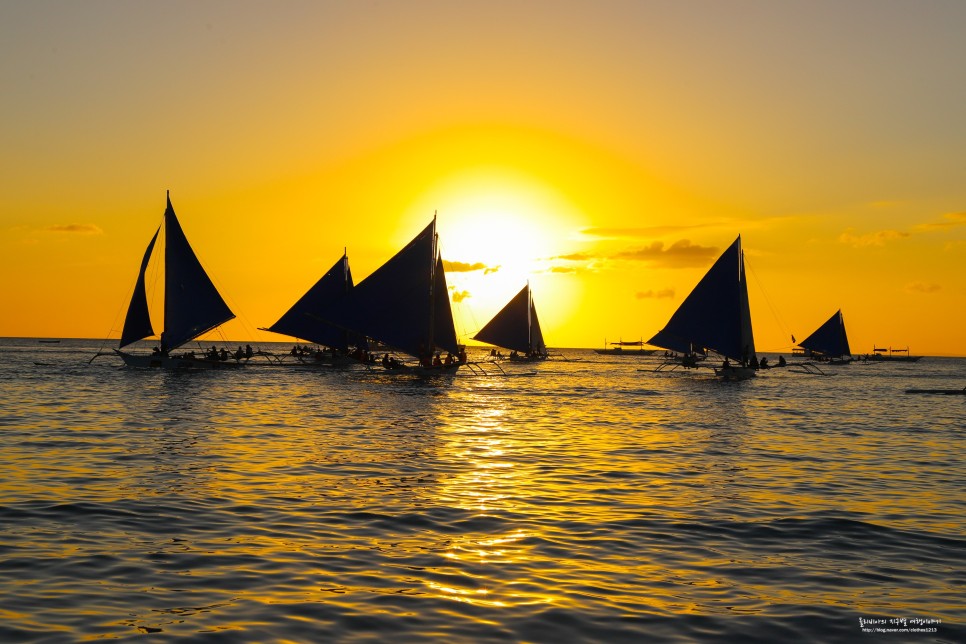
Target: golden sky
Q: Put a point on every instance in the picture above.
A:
(605, 151)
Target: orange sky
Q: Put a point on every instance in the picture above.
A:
(604, 151)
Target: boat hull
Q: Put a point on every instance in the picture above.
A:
(160, 361)
(735, 373)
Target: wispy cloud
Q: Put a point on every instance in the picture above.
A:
(680, 254)
(467, 267)
(950, 220)
(878, 238)
(459, 296)
(75, 229)
(923, 287)
(577, 257)
(462, 267)
(645, 295)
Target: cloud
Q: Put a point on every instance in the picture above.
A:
(576, 257)
(950, 220)
(462, 267)
(466, 267)
(76, 229)
(680, 254)
(923, 287)
(878, 238)
(563, 269)
(459, 296)
(664, 292)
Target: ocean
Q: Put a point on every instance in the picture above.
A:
(583, 499)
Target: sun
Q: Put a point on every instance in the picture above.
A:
(500, 217)
(499, 229)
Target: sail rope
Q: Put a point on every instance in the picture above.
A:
(775, 314)
(150, 285)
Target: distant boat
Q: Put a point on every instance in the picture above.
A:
(49, 341)
(304, 320)
(517, 329)
(716, 317)
(621, 348)
(829, 343)
(889, 354)
(404, 304)
(941, 392)
(192, 305)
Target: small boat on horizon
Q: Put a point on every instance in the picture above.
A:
(888, 354)
(622, 348)
(517, 329)
(714, 317)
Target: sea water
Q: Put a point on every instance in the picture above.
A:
(586, 498)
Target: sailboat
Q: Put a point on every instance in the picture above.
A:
(828, 342)
(516, 328)
(192, 305)
(716, 317)
(404, 304)
(304, 320)
(625, 348)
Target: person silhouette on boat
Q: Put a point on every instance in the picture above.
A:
(437, 361)
(248, 352)
(781, 361)
(462, 355)
(726, 364)
(764, 363)
(449, 359)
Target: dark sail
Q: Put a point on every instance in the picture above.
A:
(516, 326)
(716, 314)
(137, 322)
(536, 335)
(304, 319)
(394, 304)
(444, 329)
(192, 304)
(830, 339)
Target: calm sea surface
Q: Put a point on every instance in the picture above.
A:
(591, 501)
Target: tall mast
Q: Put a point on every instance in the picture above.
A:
(431, 345)
(529, 321)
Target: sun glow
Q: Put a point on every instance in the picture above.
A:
(499, 228)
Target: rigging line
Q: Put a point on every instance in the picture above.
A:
(122, 306)
(247, 328)
(774, 312)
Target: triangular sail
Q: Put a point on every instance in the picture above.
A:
(829, 339)
(444, 329)
(192, 304)
(516, 326)
(716, 314)
(394, 304)
(137, 322)
(303, 320)
(537, 345)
